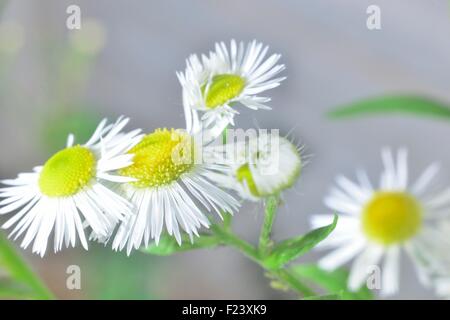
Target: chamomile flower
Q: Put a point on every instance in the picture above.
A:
(70, 192)
(214, 84)
(377, 224)
(260, 166)
(171, 188)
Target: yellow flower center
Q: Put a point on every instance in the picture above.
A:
(223, 87)
(392, 217)
(160, 158)
(67, 172)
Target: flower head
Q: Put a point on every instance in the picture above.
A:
(377, 223)
(71, 191)
(171, 187)
(216, 83)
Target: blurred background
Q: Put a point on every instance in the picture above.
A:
(123, 61)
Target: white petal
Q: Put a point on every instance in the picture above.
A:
(390, 273)
(427, 176)
(340, 256)
(361, 266)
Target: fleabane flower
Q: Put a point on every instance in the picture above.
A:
(214, 84)
(263, 165)
(72, 191)
(377, 224)
(171, 189)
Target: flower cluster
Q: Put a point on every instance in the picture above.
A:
(126, 187)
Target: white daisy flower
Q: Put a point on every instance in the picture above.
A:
(172, 187)
(217, 82)
(69, 193)
(378, 223)
(260, 166)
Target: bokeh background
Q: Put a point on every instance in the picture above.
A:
(123, 61)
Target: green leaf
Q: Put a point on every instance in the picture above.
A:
(415, 105)
(332, 281)
(19, 271)
(293, 248)
(168, 245)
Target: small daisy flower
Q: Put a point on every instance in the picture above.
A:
(377, 224)
(170, 189)
(217, 82)
(70, 192)
(261, 166)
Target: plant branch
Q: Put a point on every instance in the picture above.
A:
(269, 218)
(228, 238)
(283, 275)
(291, 280)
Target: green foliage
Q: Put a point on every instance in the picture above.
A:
(414, 105)
(273, 261)
(80, 123)
(13, 289)
(23, 281)
(293, 248)
(168, 245)
(118, 276)
(334, 282)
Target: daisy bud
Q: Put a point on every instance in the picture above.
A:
(263, 166)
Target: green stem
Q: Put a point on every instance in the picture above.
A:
(266, 230)
(227, 220)
(232, 240)
(20, 271)
(287, 277)
(228, 238)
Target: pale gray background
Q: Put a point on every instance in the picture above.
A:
(331, 59)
